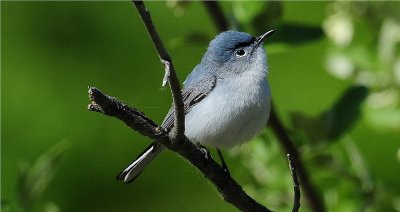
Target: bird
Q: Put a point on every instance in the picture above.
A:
(226, 98)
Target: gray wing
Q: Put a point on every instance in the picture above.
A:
(191, 95)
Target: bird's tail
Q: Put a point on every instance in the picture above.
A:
(137, 166)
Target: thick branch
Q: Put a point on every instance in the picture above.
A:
(229, 189)
(170, 75)
(133, 118)
(312, 195)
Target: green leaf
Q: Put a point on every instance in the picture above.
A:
(288, 35)
(34, 179)
(295, 34)
(337, 120)
(344, 113)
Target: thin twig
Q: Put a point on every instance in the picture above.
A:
(314, 199)
(296, 185)
(178, 132)
(229, 189)
(316, 203)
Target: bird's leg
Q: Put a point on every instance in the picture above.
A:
(223, 164)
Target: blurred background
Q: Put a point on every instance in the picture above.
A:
(335, 79)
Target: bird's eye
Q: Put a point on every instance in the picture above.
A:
(240, 52)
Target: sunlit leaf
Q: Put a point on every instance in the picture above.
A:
(384, 119)
(339, 29)
(51, 207)
(179, 7)
(389, 38)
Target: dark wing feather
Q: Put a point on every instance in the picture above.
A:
(191, 96)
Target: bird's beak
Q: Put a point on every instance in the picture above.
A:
(262, 37)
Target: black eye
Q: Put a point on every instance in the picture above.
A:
(240, 52)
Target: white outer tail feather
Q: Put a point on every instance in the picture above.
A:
(138, 165)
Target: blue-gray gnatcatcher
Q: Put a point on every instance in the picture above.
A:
(226, 97)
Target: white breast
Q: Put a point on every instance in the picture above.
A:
(234, 112)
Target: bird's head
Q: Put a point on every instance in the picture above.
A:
(235, 51)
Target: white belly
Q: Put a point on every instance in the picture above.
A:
(231, 114)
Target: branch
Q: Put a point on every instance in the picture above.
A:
(229, 189)
(296, 185)
(130, 116)
(178, 132)
(316, 203)
(314, 199)
(217, 15)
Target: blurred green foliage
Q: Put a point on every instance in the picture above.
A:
(34, 178)
(334, 74)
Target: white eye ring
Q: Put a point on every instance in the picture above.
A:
(240, 52)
